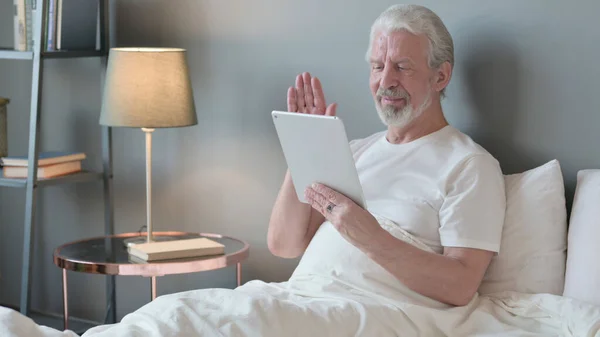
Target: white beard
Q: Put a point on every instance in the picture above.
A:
(391, 116)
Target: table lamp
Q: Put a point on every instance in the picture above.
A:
(147, 88)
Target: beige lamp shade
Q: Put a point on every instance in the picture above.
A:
(147, 88)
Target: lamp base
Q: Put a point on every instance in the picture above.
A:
(144, 239)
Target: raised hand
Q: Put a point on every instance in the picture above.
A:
(308, 97)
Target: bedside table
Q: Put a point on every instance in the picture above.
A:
(107, 255)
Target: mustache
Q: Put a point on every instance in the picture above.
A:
(393, 93)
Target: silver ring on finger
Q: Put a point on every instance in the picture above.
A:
(330, 208)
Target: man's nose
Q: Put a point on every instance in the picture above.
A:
(389, 80)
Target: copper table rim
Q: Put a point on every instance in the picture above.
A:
(152, 269)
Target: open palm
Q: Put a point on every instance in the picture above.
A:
(307, 97)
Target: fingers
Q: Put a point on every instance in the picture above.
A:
(318, 94)
(317, 201)
(331, 109)
(320, 197)
(300, 94)
(308, 91)
(291, 100)
(308, 96)
(329, 194)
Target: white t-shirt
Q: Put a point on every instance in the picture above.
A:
(442, 188)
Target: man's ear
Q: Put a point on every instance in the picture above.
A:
(443, 75)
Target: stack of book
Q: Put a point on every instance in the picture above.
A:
(50, 165)
(72, 25)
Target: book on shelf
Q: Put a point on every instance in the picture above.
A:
(45, 158)
(51, 15)
(24, 24)
(167, 250)
(20, 26)
(30, 21)
(44, 172)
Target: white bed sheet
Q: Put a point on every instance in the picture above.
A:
(319, 307)
(325, 305)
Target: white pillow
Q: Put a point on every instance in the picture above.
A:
(582, 279)
(534, 239)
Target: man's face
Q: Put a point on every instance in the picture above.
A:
(401, 80)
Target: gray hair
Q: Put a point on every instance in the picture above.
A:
(417, 20)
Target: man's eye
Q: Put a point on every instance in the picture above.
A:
(377, 67)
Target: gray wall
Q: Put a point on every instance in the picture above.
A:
(523, 86)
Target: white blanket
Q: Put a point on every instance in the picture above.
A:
(327, 305)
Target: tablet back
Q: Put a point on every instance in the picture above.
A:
(316, 149)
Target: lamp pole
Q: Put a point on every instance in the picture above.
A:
(148, 133)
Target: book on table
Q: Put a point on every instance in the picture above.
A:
(166, 250)
(45, 158)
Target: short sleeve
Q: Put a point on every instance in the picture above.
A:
(472, 213)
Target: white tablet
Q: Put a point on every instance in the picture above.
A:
(316, 149)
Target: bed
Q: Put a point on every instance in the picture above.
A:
(532, 288)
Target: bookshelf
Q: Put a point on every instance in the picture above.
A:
(32, 184)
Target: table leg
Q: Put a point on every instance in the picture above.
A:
(239, 274)
(153, 287)
(65, 299)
